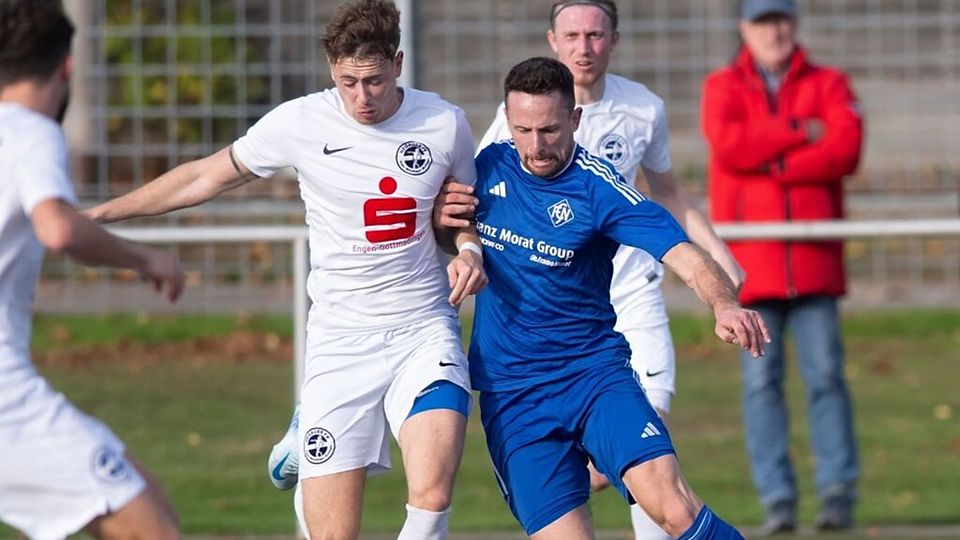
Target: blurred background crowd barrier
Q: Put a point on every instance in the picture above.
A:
(160, 82)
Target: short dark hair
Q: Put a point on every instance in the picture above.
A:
(363, 29)
(35, 37)
(540, 76)
(607, 6)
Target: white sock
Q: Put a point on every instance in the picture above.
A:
(644, 527)
(425, 525)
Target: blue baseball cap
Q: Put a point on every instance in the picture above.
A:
(754, 9)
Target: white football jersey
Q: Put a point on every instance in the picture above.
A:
(33, 158)
(628, 128)
(369, 192)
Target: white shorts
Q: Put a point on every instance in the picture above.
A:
(61, 469)
(358, 386)
(646, 326)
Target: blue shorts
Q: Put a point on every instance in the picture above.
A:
(541, 438)
(442, 395)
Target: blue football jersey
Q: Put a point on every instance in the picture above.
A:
(548, 250)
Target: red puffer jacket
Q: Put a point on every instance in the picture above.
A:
(762, 168)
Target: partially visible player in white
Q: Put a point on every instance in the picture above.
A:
(626, 123)
(61, 471)
(383, 338)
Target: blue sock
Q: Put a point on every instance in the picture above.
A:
(708, 526)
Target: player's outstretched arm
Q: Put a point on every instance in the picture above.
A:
(666, 190)
(61, 228)
(734, 324)
(186, 185)
(466, 269)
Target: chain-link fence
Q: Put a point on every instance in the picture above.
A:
(159, 82)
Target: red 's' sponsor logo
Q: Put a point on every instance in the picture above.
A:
(392, 218)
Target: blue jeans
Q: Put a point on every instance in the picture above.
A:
(814, 323)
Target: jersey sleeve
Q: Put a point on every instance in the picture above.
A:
(497, 131)
(626, 216)
(42, 173)
(268, 145)
(656, 158)
(486, 164)
(463, 167)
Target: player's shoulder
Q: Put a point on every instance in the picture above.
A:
(599, 176)
(494, 155)
(632, 93)
(323, 101)
(496, 150)
(23, 129)
(431, 101)
(590, 167)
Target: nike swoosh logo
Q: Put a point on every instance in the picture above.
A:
(655, 373)
(445, 364)
(327, 150)
(276, 470)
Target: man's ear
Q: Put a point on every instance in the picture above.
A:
(398, 64)
(66, 68)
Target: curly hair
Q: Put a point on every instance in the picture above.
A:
(363, 29)
(35, 37)
(540, 76)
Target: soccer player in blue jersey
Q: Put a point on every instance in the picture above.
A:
(555, 379)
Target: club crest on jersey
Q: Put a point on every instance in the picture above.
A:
(560, 213)
(109, 466)
(413, 157)
(318, 445)
(614, 149)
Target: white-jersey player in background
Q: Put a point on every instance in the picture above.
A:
(61, 471)
(625, 123)
(383, 339)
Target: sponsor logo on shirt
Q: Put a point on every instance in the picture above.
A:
(389, 219)
(614, 149)
(414, 158)
(498, 239)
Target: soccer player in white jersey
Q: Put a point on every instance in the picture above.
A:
(625, 123)
(61, 471)
(383, 340)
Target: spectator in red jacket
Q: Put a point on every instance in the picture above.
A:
(783, 133)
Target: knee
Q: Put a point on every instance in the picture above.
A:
(678, 515)
(432, 498)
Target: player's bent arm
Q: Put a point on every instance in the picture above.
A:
(62, 229)
(701, 273)
(454, 207)
(465, 271)
(666, 190)
(184, 186)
